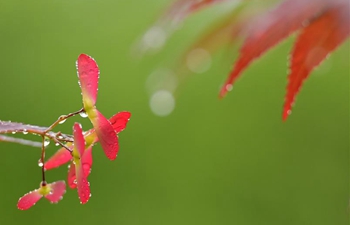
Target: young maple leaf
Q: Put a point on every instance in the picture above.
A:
(324, 25)
(52, 192)
(78, 152)
(88, 74)
(118, 122)
(62, 156)
(86, 163)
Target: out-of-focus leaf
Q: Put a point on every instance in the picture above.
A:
(315, 42)
(324, 25)
(270, 29)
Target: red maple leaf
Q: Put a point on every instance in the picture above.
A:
(53, 192)
(77, 165)
(62, 156)
(88, 74)
(322, 24)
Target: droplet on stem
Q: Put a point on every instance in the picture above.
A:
(62, 121)
(40, 163)
(46, 142)
(83, 114)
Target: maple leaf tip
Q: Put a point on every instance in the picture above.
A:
(223, 92)
(285, 114)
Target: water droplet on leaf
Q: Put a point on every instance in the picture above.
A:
(229, 87)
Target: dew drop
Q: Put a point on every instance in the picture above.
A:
(229, 87)
(57, 144)
(83, 114)
(62, 121)
(13, 132)
(25, 131)
(46, 142)
(40, 163)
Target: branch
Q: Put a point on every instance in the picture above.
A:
(20, 141)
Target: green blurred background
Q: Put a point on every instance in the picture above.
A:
(230, 161)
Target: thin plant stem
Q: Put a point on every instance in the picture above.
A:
(62, 118)
(62, 145)
(42, 160)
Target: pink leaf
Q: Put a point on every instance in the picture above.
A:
(79, 141)
(61, 157)
(86, 162)
(72, 180)
(88, 74)
(106, 135)
(29, 199)
(119, 121)
(82, 185)
(58, 189)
